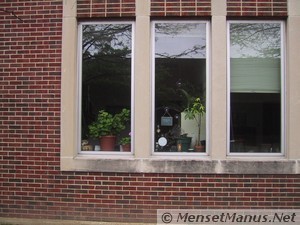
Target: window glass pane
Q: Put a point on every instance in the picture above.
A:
(255, 85)
(180, 86)
(105, 85)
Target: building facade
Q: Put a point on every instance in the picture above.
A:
(239, 58)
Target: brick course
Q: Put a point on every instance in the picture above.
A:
(180, 8)
(274, 8)
(105, 8)
(32, 185)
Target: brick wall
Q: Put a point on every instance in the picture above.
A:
(105, 8)
(135, 197)
(257, 8)
(31, 183)
(180, 8)
(30, 69)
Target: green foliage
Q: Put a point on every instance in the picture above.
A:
(195, 110)
(108, 124)
(125, 140)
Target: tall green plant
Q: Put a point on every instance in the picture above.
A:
(195, 111)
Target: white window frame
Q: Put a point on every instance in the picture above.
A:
(79, 88)
(208, 82)
(282, 91)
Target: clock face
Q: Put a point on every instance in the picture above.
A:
(162, 141)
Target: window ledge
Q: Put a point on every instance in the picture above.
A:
(133, 165)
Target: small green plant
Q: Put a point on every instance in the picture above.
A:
(108, 124)
(125, 140)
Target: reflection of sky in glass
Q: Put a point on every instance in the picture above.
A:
(180, 40)
(255, 40)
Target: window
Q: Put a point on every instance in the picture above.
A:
(256, 87)
(180, 83)
(105, 79)
(157, 79)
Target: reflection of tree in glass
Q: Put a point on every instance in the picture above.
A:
(260, 40)
(173, 29)
(197, 49)
(105, 38)
(104, 46)
(177, 30)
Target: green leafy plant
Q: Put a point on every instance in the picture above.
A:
(125, 140)
(195, 111)
(108, 124)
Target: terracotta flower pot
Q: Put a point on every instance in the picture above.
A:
(126, 148)
(199, 148)
(107, 143)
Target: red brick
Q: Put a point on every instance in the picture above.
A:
(105, 8)
(180, 8)
(257, 8)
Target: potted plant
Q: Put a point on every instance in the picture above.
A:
(195, 111)
(183, 143)
(125, 143)
(107, 126)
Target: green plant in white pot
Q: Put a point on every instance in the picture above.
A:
(194, 111)
(107, 126)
